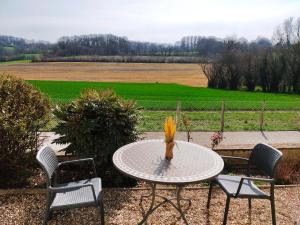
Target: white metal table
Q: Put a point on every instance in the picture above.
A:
(145, 160)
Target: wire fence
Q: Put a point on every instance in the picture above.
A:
(222, 115)
(211, 115)
(240, 105)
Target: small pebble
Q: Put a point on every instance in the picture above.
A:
(122, 208)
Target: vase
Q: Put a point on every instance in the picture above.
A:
(169, 150)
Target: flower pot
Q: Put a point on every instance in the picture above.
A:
(169, 150)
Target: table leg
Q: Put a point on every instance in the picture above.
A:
(152, 208)
(179, 198)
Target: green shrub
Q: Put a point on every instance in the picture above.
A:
(96, 125)
(23, 112)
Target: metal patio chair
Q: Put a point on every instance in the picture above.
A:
(265, 158)
(77, 194)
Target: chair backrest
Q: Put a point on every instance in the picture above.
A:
(48, 161)
(265, 158)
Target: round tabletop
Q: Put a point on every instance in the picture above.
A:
(145, 160)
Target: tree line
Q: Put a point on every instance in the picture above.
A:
(107, 44)
(14, 48)
(112, 45)
(274, 68)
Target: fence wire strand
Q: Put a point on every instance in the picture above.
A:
(237, 115)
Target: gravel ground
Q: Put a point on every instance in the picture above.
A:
(121, 207)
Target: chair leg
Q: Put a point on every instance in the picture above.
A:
(101, 205)
(273, 211)
(272, 199)
(48, 213)
(47, 216)
(249, 203)
(226, 210)
(209, 193)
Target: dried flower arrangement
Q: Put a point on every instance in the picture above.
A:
(170, 131)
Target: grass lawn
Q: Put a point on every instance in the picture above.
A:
(234, 121)
(154, 96)
(210, 121)
(202, 105)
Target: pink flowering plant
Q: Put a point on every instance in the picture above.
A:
(187, 123)
(216, 138)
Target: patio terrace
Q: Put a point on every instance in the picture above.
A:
(121, 207)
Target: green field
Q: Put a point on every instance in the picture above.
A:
(202, 105)
(17, 61)
(154, 96)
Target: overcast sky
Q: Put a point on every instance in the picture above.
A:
(162, 21)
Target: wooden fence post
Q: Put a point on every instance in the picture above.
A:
(222, 115)
(178, 109)
(261, 122)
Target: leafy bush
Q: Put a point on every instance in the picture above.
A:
(96, 125)
(23, 112)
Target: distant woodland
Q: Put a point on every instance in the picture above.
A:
(272, 69)
(13, 48)
(234, 63)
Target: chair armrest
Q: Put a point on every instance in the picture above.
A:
(235, 158)
(72, 188)
(259, 179)
(78, 161)
(75, 161)
(253, 179)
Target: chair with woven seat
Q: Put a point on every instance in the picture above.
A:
(265, 158)
(82, 193)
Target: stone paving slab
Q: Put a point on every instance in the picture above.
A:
(240, 140)
(232, 140)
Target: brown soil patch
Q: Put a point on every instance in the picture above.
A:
(187, 74)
